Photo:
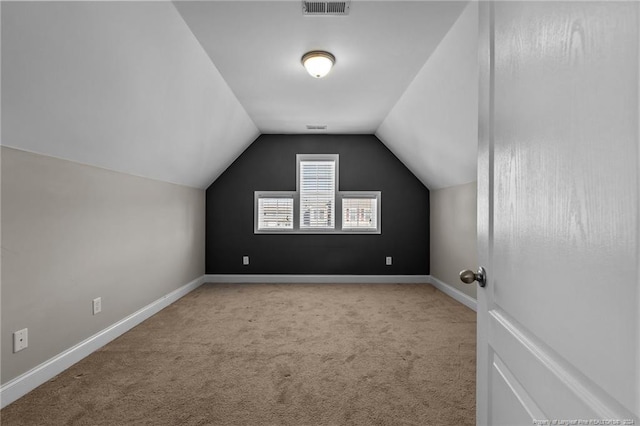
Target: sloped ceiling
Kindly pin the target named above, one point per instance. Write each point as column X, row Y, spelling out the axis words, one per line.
column 433, row 129
column 176, row 91
column 119, row 85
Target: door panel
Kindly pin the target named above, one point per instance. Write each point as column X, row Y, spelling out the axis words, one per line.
column 550, row 382
column 558, row 323
column 511, row 403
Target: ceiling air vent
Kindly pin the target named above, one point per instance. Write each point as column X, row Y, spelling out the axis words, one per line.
column 322, row 8
column 316, row 127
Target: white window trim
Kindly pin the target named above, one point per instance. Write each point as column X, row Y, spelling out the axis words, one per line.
column 256, row 215
column 337, row 203
column 336, row 180
column 367, row 195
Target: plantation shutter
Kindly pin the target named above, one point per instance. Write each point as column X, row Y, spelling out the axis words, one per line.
column 275, row 213
column 317, row 194
column 359, row 213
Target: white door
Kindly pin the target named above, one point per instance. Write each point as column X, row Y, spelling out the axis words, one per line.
column 558, row 197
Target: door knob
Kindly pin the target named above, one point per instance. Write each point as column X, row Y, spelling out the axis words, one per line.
column 468, row 276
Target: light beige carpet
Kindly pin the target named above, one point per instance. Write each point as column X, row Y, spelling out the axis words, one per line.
column 276, row 354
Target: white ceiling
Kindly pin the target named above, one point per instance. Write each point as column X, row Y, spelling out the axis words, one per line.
column 176, row 91
column 379, row 48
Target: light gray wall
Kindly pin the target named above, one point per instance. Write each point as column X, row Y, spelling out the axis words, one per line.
column 454, row 234
column 71, row 233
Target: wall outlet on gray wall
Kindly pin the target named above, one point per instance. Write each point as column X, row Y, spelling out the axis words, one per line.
column 97, row 305
column 20, row 340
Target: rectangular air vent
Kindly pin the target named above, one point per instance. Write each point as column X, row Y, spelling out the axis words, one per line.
column 320, row 8
column 316, row 127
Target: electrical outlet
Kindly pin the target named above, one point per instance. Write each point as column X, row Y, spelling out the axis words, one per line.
column 97, row 305
column 245, row 260
column 389, row 261
column 20, row 340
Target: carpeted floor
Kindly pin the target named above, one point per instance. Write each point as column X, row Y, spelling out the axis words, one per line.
column 276, row 354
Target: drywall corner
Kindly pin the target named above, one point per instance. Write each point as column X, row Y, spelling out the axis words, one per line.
column 453, row 221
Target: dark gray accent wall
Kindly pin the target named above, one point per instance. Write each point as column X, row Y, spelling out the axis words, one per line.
column 269, row 164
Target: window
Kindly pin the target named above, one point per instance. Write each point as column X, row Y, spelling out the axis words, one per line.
column 274, row 211
column 360, row 211
column 317, row 189
column 317, row 206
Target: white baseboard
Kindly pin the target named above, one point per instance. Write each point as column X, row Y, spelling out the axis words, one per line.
column 269, row 278
column 449, row 290
column 25, row 383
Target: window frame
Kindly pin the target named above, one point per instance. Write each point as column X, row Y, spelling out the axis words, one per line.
column 256, row 211
column 338, row 196
column 336, row 179
column 369, row 195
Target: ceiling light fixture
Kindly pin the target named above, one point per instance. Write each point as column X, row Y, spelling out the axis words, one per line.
column 318, row 62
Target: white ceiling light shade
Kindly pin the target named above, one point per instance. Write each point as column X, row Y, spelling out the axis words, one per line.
column 318, row 63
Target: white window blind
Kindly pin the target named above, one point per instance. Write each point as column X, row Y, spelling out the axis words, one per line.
column 359, row 213
column 275, row 213
column 317, row 186
column 316, row 206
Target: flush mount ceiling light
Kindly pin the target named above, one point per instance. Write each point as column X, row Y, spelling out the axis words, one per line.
column 318, row 62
